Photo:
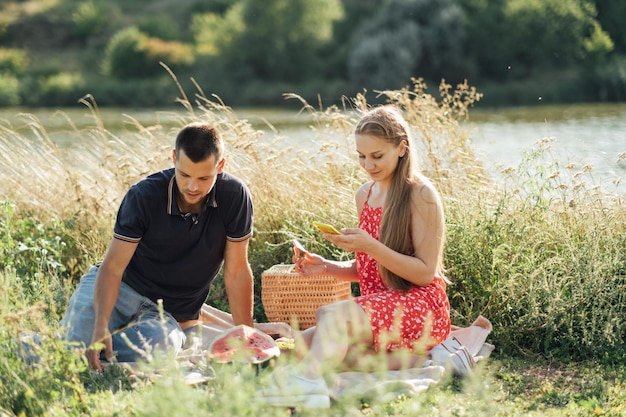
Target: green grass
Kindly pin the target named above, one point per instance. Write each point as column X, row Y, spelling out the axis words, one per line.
column 541, row 253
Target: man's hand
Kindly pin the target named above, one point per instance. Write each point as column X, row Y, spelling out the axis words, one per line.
column 106, row 290
column 101, row 340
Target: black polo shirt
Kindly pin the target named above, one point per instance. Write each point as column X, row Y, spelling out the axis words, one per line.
column 178, row 256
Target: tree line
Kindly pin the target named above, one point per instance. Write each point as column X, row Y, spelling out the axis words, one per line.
column 250, row 52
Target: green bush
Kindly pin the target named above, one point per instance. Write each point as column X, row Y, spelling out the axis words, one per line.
column 13, row 61
column 42, row 257
column 31, row 390
column 518, row 39
column 89, row 19
column 214, row 34
column 125, row 55
column 542, row 256
column 291, row 38
column 408, row 39
column 9, row 90
column 133, row 54
column 175, row 54
column 64, row 89
column 386, row 60
column 160, row 26
column 610, row 16
column 608, row 82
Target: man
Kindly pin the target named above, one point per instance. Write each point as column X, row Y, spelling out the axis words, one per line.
column 174, row 230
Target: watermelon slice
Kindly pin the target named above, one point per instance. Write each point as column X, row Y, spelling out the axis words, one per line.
column 244, row 344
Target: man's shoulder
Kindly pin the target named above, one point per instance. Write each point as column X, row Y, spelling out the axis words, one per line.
column 229, row 181
column 163, row 175
column 152, row 190
column 155, row 181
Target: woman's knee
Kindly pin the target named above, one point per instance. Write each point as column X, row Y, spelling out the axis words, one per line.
column 322, row 312
column 343, row 311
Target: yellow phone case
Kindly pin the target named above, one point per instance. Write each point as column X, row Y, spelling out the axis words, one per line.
column 326, row 228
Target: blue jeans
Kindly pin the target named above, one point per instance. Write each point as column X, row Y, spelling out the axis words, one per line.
column 134, row 315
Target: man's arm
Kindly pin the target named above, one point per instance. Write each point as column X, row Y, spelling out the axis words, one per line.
column 239, row 282
column 105, row 295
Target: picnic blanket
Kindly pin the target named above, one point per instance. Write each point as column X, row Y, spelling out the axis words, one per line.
column 457, row 355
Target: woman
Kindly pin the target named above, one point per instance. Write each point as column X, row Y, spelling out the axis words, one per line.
column 398, row 263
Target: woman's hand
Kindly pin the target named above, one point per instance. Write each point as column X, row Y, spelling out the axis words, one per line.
column 352, row 240
column 310, row 264
column 307, row 263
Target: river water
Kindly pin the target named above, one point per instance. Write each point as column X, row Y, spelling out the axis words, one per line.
column 593, row 134
column 580, row 134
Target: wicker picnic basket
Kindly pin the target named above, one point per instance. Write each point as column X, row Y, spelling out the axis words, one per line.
column 289, row 297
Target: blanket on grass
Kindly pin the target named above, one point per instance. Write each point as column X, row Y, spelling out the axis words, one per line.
column 457, row 355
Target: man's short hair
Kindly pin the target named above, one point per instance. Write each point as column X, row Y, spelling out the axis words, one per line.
column 200, row 141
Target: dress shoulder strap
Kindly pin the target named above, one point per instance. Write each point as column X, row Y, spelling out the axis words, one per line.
column 369, row 191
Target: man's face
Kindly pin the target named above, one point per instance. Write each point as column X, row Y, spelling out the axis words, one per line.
column 195, row 179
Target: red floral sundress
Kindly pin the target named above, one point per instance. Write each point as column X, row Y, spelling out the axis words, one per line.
column 418, row 319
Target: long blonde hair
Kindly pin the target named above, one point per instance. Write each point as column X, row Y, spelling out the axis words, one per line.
column 387, row 123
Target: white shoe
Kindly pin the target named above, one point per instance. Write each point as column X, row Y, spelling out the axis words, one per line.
column 452, row 354
column 286, row 388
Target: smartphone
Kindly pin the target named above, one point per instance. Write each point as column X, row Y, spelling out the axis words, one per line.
column 326, row 228
column 300, row 247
